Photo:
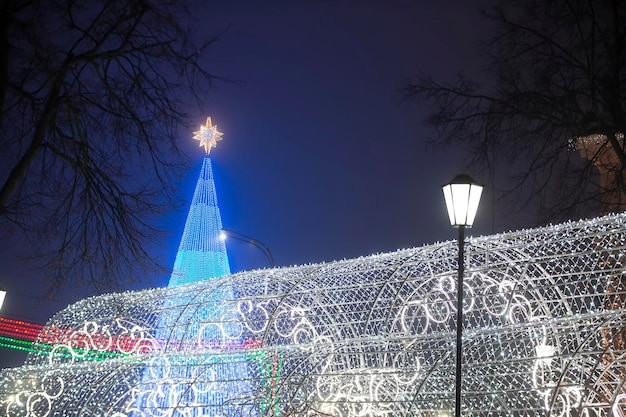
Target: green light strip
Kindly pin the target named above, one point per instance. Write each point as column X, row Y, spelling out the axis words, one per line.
column 15, row 341
column 15, row 344
column 270, row 377
column 27, row 346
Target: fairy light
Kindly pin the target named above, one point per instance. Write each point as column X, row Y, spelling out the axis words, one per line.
column 202, row 253
column 18, row 344
column 21, row 329
column 16, row 339
column 201, row 256
column 208, row 135
column 370, row 336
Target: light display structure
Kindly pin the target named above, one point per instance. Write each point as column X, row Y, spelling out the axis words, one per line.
column 544, row 335
column 201, row 254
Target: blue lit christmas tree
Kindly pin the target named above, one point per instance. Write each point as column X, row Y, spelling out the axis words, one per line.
column 202, row 254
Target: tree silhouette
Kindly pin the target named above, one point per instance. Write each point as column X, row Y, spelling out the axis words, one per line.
column 554, row 91
column 93, row 95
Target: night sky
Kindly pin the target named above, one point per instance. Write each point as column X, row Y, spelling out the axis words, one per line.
column 322, row 159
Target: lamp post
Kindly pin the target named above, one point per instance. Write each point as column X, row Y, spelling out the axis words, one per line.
column 3, row 294
column 245, row 238
column 462, row 196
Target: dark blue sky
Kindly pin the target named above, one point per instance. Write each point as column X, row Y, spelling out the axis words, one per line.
column 321, row 158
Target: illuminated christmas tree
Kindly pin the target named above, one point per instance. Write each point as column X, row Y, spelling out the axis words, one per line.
column 202, row 254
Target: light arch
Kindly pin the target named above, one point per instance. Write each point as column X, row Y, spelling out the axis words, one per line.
column 372, row 336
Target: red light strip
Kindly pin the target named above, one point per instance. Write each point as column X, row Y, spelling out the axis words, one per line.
column 20, row 329
column 32, row 332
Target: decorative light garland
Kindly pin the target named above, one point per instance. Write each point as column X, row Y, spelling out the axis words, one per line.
column 201, row 254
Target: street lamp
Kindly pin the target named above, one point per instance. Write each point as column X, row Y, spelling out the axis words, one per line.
column 3, row 294
column 462, row 196
column 226, row 233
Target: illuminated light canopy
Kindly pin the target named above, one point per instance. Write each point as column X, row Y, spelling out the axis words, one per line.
column 545, row 316
column 462, row 196
column 208, row 136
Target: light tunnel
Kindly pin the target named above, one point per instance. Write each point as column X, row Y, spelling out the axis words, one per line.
column 544, row 335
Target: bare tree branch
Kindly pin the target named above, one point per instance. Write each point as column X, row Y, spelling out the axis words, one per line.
column 557, row 75
column 93, row 95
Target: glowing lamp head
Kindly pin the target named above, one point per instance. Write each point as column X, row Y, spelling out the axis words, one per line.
column 462, row 196
column 3, row 294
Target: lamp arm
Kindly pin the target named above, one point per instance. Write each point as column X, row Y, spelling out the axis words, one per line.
column 245, row 238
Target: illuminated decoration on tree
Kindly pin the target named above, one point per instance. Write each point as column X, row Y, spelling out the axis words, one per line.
column 372, row 336
column 208, row 135
column 599, row 149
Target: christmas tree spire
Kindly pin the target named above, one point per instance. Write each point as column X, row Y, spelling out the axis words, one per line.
column 202, row 254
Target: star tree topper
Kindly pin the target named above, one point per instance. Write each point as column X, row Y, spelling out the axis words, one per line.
column 208, row 135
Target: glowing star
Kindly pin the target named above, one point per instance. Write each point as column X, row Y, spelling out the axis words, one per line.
column 208, row 135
